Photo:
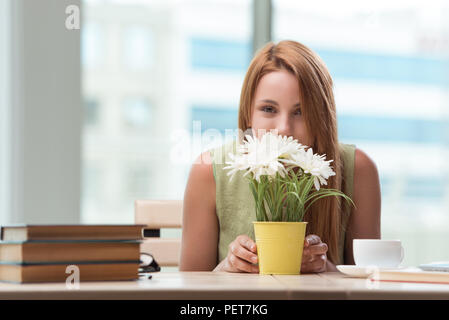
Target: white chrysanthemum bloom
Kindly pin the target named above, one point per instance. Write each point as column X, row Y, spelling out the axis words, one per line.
column 238, row 162
column 263, row 157
column 314, row 164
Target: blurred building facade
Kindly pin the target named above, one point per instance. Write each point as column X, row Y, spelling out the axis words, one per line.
column 147, row 74
column 151, row 69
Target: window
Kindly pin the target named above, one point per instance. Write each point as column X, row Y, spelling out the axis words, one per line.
column 137, row 48
column 93, row 186
column 137, row 113
column 153, row 67
column 220, row 118
column 91, row 112
column 223, row 55
column 388, row 63
column 92, row 45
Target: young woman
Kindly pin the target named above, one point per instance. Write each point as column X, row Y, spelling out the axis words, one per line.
column 287, row 88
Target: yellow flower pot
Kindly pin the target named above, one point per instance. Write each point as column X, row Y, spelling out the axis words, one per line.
column 279, row 246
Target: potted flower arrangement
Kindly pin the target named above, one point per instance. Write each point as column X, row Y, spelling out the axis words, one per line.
column 285, row 179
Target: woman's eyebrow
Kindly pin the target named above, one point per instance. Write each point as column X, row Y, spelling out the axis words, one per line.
column 275, row 103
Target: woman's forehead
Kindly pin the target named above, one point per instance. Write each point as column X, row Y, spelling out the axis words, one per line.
column 278, row 81
column 280, row 86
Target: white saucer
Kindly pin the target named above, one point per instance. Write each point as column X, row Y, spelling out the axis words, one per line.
column 362, row 272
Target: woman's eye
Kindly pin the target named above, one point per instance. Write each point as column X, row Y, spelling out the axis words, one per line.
column 298, row 112
column 268, row 109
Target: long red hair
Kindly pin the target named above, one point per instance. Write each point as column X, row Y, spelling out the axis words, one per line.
column 317, row 99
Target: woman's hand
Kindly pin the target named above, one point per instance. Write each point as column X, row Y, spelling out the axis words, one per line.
column 314, row 256
column 242, row 256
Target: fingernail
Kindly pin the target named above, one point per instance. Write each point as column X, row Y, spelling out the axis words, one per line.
column 254, row 259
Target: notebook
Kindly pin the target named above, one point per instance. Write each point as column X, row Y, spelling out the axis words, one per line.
column 442, row 266
column 412, row 275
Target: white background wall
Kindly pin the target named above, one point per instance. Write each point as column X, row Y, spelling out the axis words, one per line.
column 41, row 151
column 4, row 111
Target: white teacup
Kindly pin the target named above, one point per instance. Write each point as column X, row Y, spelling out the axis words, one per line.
column 379, row 253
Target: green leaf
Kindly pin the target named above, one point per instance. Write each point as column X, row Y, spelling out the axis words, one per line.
column 306, row 190
column 336, row 193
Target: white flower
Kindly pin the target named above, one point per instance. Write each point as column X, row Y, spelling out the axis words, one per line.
column 237, row 163
column 314, row 164
column 263, row 157
column 273, row 154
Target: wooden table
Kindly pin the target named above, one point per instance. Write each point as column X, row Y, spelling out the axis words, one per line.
column 229, row 286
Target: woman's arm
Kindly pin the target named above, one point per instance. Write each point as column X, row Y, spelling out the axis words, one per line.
column 364, row 222
column 199, row 221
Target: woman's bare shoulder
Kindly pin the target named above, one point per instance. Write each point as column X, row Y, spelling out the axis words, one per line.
column 202, row 168
column 367, row 195
column 365, row 221
column 363, row 164
column 201, row 182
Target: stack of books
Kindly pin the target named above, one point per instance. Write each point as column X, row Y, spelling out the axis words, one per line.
column 47, row 253
column 412, row 274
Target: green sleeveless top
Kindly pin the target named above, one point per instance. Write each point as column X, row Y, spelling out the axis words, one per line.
column 235, row 207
